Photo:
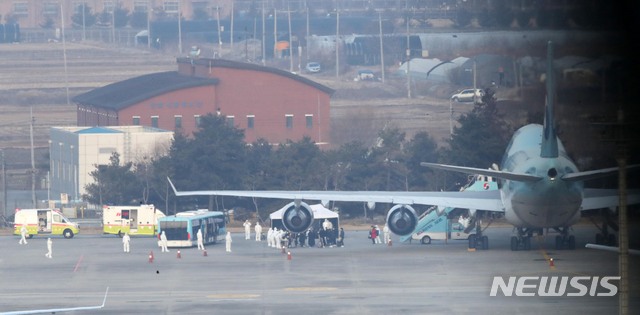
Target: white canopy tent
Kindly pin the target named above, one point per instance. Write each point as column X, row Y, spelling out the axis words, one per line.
column 320, row 213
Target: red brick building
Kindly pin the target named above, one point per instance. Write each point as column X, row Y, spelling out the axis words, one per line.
column 265, row 102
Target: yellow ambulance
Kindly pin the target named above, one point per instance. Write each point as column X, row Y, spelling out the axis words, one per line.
column 135, row 220
column 44, row 221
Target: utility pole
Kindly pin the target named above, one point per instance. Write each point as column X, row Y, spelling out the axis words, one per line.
column 4, row 185
column 264, row 62
column 381, row 46
column 232, row 26
column 33, row 163
column 219, row 35
column 290, row 42
column 337, row 44
column 148, row 24
column 408, row 53
column 179, row 27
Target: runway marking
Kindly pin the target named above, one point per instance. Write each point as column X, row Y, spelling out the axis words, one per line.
column 233, row 296
column 78, row 263
column 311, row 289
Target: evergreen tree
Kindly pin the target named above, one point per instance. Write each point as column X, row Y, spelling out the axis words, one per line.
column 114, row 184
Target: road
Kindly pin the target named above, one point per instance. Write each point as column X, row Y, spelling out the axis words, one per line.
column 360, row 278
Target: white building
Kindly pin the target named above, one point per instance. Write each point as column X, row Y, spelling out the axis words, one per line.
column 74, row 152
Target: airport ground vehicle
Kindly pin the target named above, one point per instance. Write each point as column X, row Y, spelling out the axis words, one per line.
column 181, row 228
column 468, row 95
column 44, row 221
column 135, row 220
column 313, row 67
column 441, row 229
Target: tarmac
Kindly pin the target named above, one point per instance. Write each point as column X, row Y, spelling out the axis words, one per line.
column 359, row 278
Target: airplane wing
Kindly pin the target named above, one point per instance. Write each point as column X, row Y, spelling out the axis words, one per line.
column 59, row 310
column 611, row 248
column 606, row 198
column 479, row 171
column 480, row 200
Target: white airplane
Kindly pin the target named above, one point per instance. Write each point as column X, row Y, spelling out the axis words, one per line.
column 539, row 188
column 60, row 310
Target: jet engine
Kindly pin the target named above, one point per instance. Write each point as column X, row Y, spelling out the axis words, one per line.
column 402, row 219
column 297, row 217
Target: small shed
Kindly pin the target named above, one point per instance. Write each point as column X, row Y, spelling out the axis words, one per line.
column 320, row 213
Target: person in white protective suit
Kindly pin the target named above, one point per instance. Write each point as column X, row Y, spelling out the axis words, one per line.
column 387, row 234
column 247, row 230
column 200, row 241
column 126, row 239
column 327, row 225
column 278, row 239
column 163, row 242
column 258, row 230
column 378, row 241
column 23, row 235
column 49, row 253
column 228, row 242
column 269, row 234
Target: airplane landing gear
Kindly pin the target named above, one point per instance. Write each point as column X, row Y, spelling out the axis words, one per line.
column 478, row 240
column 523, row 240
column 605, row 237
column 564, row 240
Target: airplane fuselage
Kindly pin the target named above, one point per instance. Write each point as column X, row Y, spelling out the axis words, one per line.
column 549, row 202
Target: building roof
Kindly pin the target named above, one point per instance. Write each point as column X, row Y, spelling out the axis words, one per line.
column 97, row 130
column 223, row 63
column 131, row 91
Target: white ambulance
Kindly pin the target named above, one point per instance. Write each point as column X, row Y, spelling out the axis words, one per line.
column 135, row 220
column 44, row 221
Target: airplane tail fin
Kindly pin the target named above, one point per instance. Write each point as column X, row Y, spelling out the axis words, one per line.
column 549, row 139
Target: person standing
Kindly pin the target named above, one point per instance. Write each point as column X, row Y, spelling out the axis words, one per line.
column 163, row 242
column 200, row 241
column 49, row 253
column 23, row 235
column 126, row 239
column 247, row 230
column 374, row 234
column 341, row 238
column 228, row 242
column 387, row 234
column 258, row 230
column 377, row 240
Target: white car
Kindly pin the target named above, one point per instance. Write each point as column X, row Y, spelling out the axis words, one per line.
column 467, row 95
column 313, row 67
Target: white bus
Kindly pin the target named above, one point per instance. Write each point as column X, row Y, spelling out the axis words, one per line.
column 181, row 228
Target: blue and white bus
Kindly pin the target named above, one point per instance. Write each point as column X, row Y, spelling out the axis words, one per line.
column 181, row 228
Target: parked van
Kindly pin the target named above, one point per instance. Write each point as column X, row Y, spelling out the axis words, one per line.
column 135, row 220
column 442, row 229
column 44, row 221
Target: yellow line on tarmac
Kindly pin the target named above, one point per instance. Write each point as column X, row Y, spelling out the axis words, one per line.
column 545, row 255
column 311, row 289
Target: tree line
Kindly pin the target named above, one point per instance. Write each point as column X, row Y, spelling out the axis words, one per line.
column 216, row 157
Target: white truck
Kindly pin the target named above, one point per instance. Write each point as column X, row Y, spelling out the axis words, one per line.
column 44, row 221
column 441, row 229
column 134, row 220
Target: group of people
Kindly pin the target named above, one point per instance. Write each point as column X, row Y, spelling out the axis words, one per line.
column 324, row 236
column 374, row 234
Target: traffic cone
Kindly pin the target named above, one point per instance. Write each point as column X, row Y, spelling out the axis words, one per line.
column 204, row 253
column 288, row 255
column 178, row 255
column 151, row 257
column 551, row 262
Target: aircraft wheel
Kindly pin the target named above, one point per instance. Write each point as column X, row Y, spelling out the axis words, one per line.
column 426, row 240
column 514, row 243
column 526, row 242
column 485, row 242
column 611, row 240
column 571, row 242
column 472, row 241
column 558, row 242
